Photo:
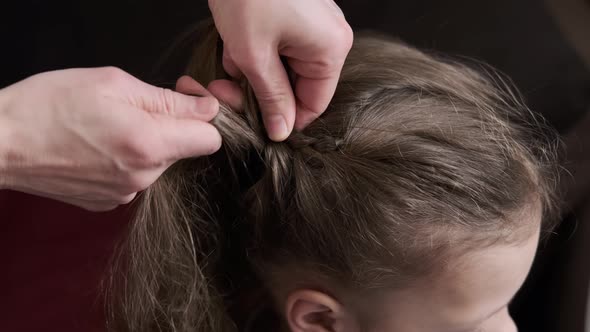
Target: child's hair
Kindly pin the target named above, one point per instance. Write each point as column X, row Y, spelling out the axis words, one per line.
column 417, row 157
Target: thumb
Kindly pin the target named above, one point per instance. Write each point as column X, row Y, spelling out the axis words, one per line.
column 271, row 85
column 185, row 138
column 165, row 101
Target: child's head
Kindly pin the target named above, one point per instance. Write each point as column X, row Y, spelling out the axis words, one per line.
column 414, row 203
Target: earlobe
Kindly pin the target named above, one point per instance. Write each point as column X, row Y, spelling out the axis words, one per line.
column 313, row 311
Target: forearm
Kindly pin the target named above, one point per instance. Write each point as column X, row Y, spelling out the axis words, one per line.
column 5, row 138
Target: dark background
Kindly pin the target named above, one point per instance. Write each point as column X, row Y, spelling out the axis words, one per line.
column 519, row 37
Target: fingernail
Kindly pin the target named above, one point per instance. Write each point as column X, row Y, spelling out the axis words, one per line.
column 277, row 127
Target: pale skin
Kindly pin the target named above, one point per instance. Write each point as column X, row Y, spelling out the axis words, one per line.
column 96, row 137
column 471, row 295
column 91, row 137
column 312, row 35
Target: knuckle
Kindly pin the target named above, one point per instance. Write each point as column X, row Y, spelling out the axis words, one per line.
column 139, row 153
column 113, row 75
column 167, row 100
column 226, row 57
column 132, row 185
column 341, row 40
column 126, row 199
column 252, row 58
column 95, row 207
column 109, row 207
column 347, row 37
column 142, row 159
column 274, row 97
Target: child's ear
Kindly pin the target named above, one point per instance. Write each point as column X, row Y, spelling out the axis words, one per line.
column 313, row 311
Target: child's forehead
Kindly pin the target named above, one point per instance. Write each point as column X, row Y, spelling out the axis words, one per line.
column 480, row 286
column 457, row 299
column 463, row 244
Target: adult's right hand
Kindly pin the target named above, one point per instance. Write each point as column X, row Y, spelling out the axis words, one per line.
column 95, row 137
column 313, row 37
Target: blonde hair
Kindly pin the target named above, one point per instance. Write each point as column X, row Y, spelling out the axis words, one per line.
column 411, row 146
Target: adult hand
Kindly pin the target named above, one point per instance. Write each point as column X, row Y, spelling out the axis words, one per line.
column 95, row 137
column 312, row 35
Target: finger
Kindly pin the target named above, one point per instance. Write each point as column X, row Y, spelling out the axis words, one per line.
column 103, row 204
column 230, row 66
column 318, row 72
column 126, row 199
column 187, row 138
column 271, row 85
column 335, row 8
column 313, row 97
column 187, row 85
column 165, row 101
column 228, row 92
column 93, row 206
column 97, row 207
